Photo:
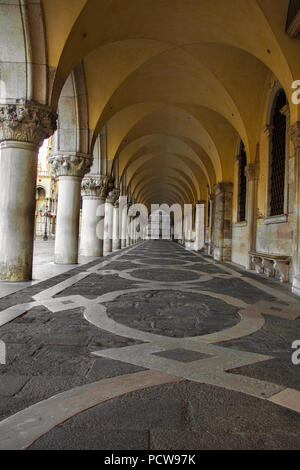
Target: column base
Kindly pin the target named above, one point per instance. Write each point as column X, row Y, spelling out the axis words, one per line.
column 296, row 285
column 61, row 260
column 117, row 245
column 15, row 274
column 91, row 254
column 107, row 248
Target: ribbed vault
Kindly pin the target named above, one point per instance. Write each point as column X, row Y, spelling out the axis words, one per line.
column 175, row 83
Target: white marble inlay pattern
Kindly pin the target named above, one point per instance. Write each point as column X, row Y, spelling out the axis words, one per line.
column 211, row 370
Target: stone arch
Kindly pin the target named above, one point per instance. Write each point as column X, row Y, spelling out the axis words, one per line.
column 72, row 133
column 23, row 62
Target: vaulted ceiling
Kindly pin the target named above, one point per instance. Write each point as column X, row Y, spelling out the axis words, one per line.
column 175, row 82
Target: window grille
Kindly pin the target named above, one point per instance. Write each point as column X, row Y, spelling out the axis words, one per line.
column 278, row 150
column 242, row 184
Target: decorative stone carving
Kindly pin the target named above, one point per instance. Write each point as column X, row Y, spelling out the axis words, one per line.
column 282, row 269
column 113, row 197
column 71, row 164
column 268, row 266
column 271, row 265
column 96, row 186
column 257, row 264
column 27, row 121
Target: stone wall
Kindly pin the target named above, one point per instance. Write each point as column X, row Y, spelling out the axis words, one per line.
column 274, row 238
column 239, row 244
column 223, row 222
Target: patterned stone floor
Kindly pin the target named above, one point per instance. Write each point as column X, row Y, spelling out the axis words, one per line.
column 153, row 347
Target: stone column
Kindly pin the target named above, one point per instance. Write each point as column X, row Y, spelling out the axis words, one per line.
column 128, row 227
column 116, row 227
column 136, row 234
column 108, row 221
column 124, row 227
column 23, row 128
column 211, row 224
column 295, row 137
column 188, row 227
column 133, row 225
column 200, row 226
column 252, row 175
column 131, row 229
column 94, row 191
column 70, row 168
column 223, row 222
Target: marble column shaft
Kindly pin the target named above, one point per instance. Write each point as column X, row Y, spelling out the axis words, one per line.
column 116, row 228
column 70, row 168
column 109, row 219
column 94, row 192
column 124, row 227
column 23, row 128
column 252, row 175
column 200, row 226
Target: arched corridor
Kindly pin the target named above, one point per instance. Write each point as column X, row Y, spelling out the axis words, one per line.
column 150, row 224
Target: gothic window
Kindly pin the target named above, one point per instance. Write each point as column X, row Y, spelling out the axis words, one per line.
column 278, row 156
column 242, row 184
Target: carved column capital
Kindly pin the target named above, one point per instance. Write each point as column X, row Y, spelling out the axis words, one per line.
column 201, row 203
column 252, row 171
column 96, row 186
column 27, row 121
column 223, row 188
column 295, row 135
column 71, row 164
column 113, row 196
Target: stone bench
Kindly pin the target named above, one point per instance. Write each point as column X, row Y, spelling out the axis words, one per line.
column 271, row 265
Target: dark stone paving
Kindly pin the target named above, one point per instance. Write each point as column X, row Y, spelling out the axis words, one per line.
column 173, row 313
column 96, row 285
column 238, row 289
column 274, row 339
column 185, row 416
column 51, row 353
column 162, row 262
column 165, row 275
column 25, row 295
column 207, row 268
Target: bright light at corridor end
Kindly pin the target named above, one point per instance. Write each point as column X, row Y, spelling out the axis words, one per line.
column 162, row 221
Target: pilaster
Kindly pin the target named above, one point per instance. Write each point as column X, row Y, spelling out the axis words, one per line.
column 223, row 221
column 295, row 138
